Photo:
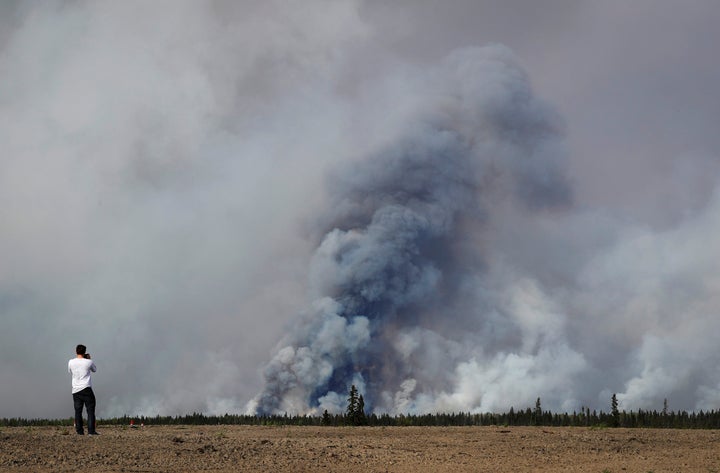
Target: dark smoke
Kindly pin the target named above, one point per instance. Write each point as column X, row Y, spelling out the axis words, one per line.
column 395, row 262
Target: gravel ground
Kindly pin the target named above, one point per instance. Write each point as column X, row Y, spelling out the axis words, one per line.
column 359, row 449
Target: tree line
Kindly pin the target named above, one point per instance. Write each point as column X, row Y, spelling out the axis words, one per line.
column 355, row 416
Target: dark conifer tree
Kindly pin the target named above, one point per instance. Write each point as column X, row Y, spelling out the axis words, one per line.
column 360, row 417
column 614, row 410
column 352, row 406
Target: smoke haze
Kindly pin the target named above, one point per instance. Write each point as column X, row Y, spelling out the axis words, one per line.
column 247, row 208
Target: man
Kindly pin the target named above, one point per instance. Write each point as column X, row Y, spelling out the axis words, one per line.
column 80, row 368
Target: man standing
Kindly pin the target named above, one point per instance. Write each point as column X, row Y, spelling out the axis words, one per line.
column 80, row 368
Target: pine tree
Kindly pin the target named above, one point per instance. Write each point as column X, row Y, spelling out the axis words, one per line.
column 614, row 410
column 360, row 417
column 538, row 412
column 355, row 414
column 352, row 407
column 326, row 418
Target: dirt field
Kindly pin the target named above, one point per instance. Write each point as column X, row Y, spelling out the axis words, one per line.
column 359, row 449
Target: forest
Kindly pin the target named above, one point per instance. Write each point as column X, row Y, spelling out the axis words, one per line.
column 355, row 416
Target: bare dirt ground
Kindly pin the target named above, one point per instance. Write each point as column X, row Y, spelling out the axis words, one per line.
column 359, row 449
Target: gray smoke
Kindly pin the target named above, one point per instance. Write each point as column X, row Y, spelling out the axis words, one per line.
column 185, row 187
column 395, row 270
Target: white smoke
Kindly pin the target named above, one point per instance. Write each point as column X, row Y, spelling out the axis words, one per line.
column 183, row 188
column 654, row 294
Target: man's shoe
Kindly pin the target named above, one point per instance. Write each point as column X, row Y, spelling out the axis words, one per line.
column 93, row 433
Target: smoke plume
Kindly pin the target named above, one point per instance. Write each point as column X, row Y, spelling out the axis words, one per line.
column 400, row 259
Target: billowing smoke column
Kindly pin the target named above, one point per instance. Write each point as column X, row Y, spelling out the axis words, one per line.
column 399, row 256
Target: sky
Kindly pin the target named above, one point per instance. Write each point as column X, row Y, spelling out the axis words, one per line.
column 246, row 207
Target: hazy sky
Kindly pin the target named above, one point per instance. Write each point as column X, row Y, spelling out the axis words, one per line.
column 170, row 173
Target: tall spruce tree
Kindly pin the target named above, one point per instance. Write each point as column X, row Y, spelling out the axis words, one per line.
column 355, row 414
column 352, row 406
column 361, row 419
column 614, row 410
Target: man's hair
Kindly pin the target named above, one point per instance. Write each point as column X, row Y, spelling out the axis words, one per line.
column 80, row 349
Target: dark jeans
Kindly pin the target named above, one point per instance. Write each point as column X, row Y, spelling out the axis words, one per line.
column 85, row 397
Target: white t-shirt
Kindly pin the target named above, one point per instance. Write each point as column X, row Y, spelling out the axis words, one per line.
column 80, row 369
